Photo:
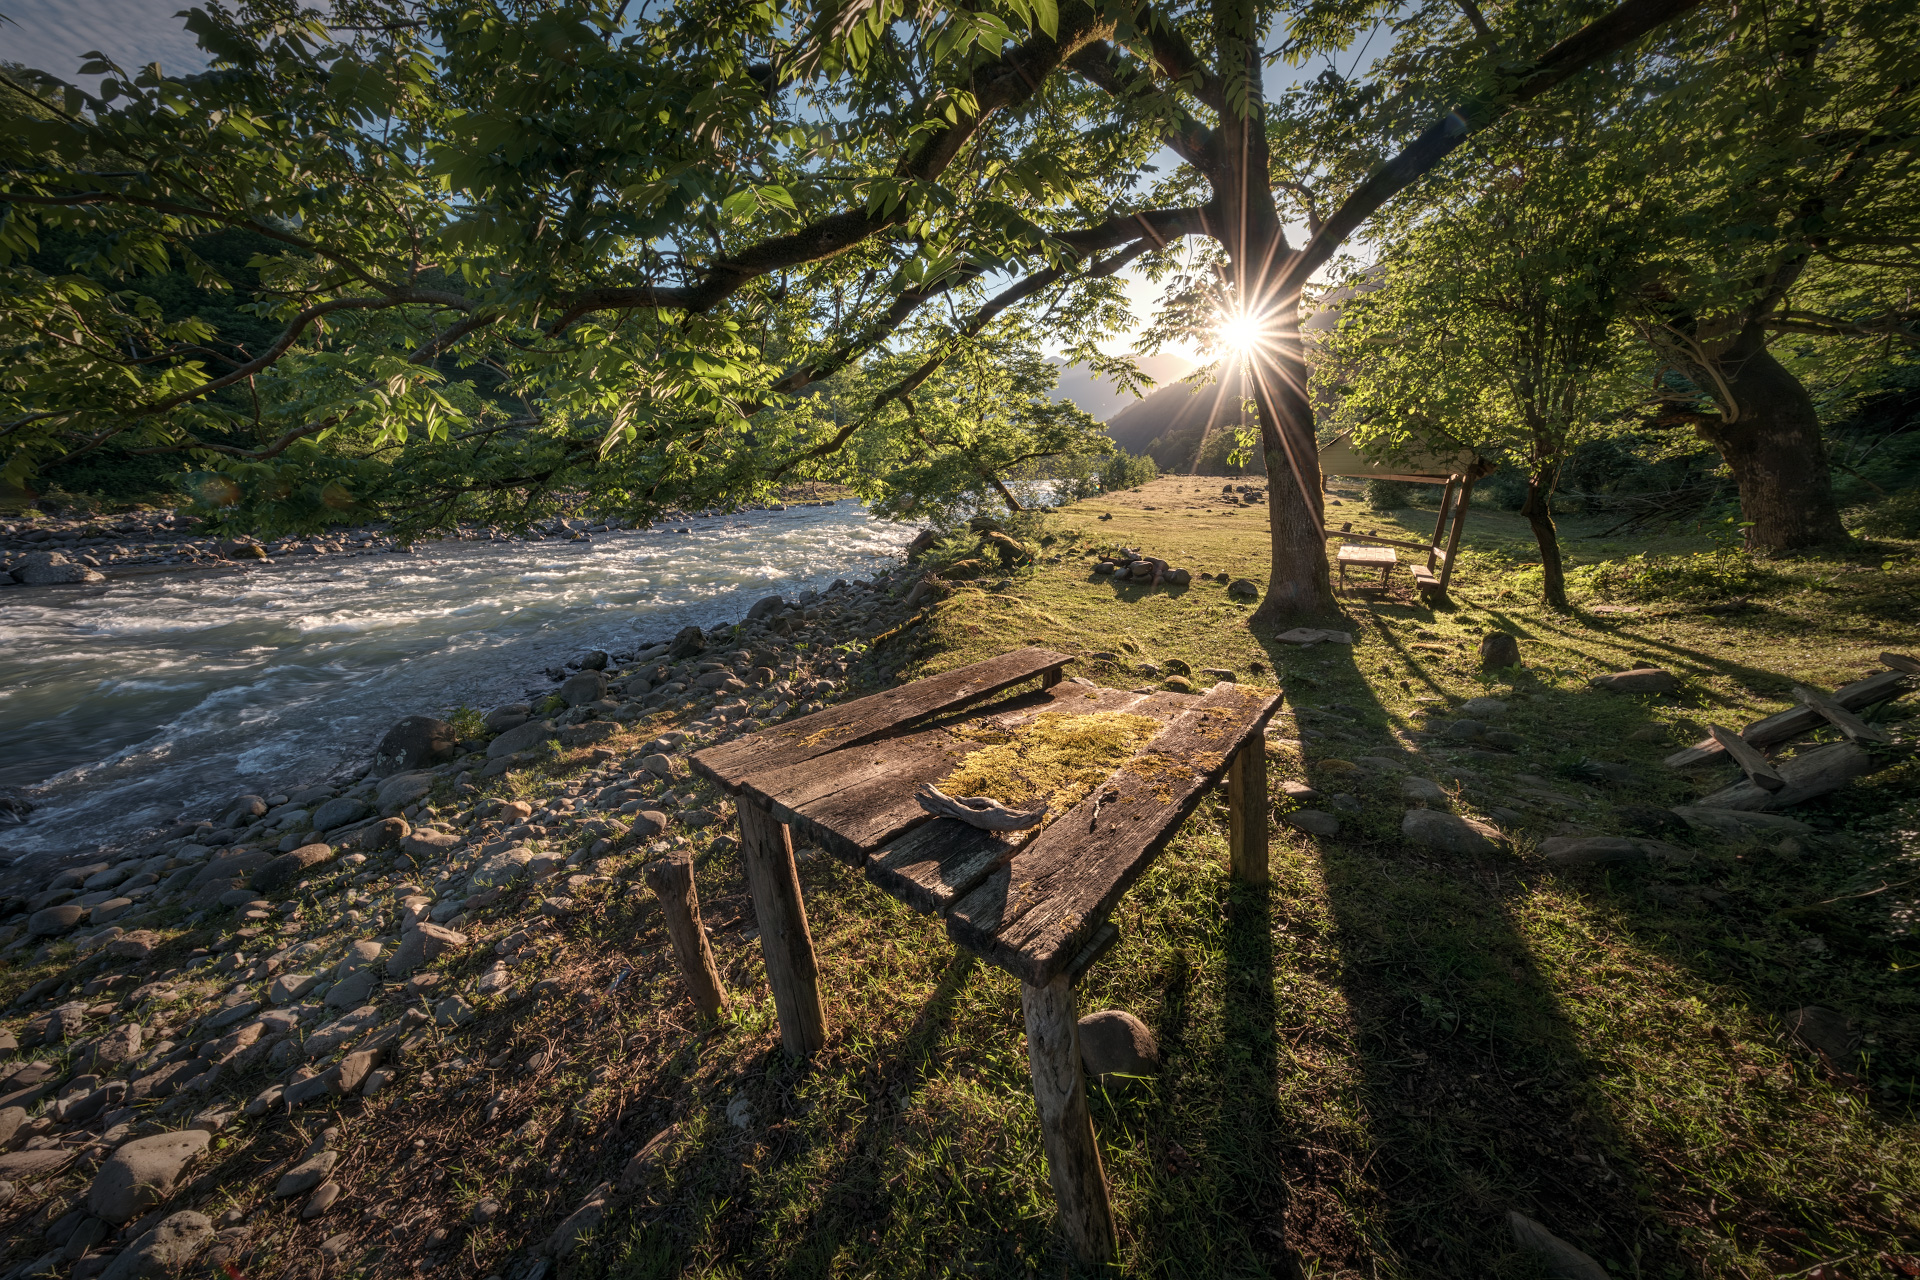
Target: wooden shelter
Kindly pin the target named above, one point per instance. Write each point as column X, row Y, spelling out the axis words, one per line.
column 1455, row 472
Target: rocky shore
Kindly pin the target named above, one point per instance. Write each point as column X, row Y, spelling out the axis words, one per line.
column 272, row 976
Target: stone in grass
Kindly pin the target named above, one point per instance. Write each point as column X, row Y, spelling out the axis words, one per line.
column 353, row 990
column 289, row 987
column 494, row 980
column 1483, row 708
column 50, row 922
column 1423, row 791
column 1113, row 1041
column 1315, row 822
column 336, row 1245
column 290, row 867
column 1499, row 649
column 1560, row 1259
column 1447, row 832
column 339, row 812
column 1586, row 851
column 401, row 790
column 141, row 1173
column 413, row 743
column 1640, row 680
column 567, row 1235
column 138, row 945
column 165, row 1251
column 454, row 1011
column 648, row 1159
column 306, row 1175
column 320, row 1201
column 422, row 945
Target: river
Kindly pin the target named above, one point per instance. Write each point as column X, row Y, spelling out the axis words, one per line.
column 144, row 699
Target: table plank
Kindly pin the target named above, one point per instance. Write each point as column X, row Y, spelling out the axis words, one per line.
column 859, row 721
column 1032, row 916
column 855, row 800
column 933, row 864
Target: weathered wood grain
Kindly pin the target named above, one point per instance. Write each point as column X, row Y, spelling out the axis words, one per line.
column 1856, row 729
column 1752, row 763
column 671, row 879
column 1247, row 813
column 1791, row 723
column 1031, row 916
column 936, row 862
column 1066, row 1125
column 785, row 942
column 854, row 800
column 851, row 723
column 1902, row 662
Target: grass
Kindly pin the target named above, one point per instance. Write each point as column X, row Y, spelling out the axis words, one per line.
column 1366, row 1065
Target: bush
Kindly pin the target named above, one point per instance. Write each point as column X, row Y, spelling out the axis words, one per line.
column 1893, row 517
column 1388, row 495
column 1127, row 471
column 1700, row 578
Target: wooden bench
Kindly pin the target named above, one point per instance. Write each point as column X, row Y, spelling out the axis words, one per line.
column 1351, row 555
column 1034, row 902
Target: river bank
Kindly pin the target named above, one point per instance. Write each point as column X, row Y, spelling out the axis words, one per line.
column 450, row 1036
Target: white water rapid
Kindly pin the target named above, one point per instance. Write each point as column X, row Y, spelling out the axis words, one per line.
column 129, row 704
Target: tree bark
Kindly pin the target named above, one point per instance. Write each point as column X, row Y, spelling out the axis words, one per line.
column 1540, row 518
column 1299, row 587
column 1773, row 446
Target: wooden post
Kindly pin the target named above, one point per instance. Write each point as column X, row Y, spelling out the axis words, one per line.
column 1060, row 1090
column 1050, row 678
column 671, row 879
column 1453, row 539
column 1440, row 524
column 1247, row 812
column 784, row 941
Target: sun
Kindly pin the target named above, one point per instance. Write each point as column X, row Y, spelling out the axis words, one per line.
column 1241, row 333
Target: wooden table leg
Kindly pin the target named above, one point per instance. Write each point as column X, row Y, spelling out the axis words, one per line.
column 1247, row 812
column 784, row 939
column 1060, row 1090
column 671, row 879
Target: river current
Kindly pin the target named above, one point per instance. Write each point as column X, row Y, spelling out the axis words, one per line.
column 145, row 699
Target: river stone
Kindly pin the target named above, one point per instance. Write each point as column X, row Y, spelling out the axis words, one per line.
column 165, row 1251
column 1740, row 824
column 306, row 1175
column 773, row 604
column 50, row 922
column 120, row 1045
column 588, row 686
column 289, row 987
column 1643, row 680
column 1585, row 851
column 339, row 812
column 383, row 833
column 526, row 737
column 1499, row 649
column 1447, row 832
column 1483, row 708
column 140, row 1174
column 289, row 867
column 413, row 743
column 53, row 568
column 1559, row 1259
column 137, row 945
column 422, row 945
column 244, row 810
column 499, row 870
column 1113, row 1040
column 1315, row 822
column 351, row 991
column 11, row 1118
column 362, row 955
column 511, row 716
column 401, row 790
column 687, row 642
column 17, row 1166
column 425, row 842
column 322, row 1200
column 110, row 877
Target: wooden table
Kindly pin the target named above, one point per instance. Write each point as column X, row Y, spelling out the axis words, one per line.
column 1381, row 558
column 1034, row 902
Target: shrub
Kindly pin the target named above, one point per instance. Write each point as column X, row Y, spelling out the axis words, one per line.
column 1388, row 495
column 1897, row 516
column 1699, row 578
column 1127, row 471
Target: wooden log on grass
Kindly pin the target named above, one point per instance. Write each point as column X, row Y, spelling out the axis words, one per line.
column 1066, row 1126
column 1806, row 776
column 1752, row 763
column 671, row 879
column 1855, row 729
column 1247, row 813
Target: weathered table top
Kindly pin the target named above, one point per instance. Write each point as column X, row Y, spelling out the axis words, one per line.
column 1353, row 554
column 1027, row 901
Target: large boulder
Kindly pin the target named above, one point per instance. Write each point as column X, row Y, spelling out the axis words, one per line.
column 523, row 738
column 165, row 1251
column 141, row 1173
column 511, row 716
column 54, row 568
column 413, row 743
column 773, row 604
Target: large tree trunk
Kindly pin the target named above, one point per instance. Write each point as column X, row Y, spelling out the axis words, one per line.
column 1540, row 517
column 1773, row 446
column 1299, row 588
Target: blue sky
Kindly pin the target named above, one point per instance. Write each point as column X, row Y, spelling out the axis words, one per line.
column 54, row 34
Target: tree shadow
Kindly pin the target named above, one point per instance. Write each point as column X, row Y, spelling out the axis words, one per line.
column 1477, row 1094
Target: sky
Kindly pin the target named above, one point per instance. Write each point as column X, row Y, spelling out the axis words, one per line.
column 54, row 35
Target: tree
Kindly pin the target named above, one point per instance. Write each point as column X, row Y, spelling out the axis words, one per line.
column 1492, row 322
column 1785, row 161
column 658, row 232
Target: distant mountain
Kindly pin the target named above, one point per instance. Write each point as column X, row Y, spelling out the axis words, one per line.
column 1184, row 428
column 1102, row 398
